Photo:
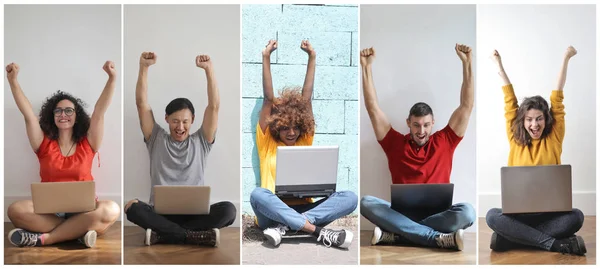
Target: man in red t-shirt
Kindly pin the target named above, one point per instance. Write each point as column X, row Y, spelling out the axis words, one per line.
column 419, row 157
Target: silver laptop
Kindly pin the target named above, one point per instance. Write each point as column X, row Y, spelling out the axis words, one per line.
column 182, row 200
column 306, row 171
column 532, row 189
column 429, row 198
column 63, row 197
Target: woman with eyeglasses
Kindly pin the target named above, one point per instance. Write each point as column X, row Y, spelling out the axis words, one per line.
column 65, row 139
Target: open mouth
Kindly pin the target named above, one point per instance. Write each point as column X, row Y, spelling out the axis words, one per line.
column 63, row 121
column 535, row 132
column 179, row 133
column 421, row 137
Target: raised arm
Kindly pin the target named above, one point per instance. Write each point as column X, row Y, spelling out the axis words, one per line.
column 141, row 94
column 510, row 100
column 562, row 76
column 309, row 79
column 32, row 124
column 380, row 122
column 96, row 131
column 268, row 95
column 460, row 118
column 211, row 113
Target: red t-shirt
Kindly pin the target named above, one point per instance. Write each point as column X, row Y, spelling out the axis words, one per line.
column 430, row 163
column 54, row 167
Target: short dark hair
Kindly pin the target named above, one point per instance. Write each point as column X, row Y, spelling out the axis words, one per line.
column 420, row 109
column 179, row 104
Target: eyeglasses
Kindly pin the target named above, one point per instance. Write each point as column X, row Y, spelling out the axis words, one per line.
column 68, row 111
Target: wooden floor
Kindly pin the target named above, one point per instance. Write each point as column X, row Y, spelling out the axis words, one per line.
column 533, row 256
column 106, row 251
column 382, row 254
column 136, row 252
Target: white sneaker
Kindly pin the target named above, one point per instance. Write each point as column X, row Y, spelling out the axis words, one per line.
column 453, row 240
column 336, row 238
column 273, row 235
column 89, row 239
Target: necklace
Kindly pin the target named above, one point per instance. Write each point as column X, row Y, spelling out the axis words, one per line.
column 67, row 155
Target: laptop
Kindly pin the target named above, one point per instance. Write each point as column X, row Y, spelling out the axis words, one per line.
column 306, row 171
column 427, row 199
column 534, row 189
column 63, row 197
column 182, row 200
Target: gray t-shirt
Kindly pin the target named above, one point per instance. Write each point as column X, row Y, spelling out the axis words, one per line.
column 176, row 163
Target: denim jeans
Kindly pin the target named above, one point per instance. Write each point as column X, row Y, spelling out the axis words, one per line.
column 270, row 210
column 414, row 226
column 537, row 229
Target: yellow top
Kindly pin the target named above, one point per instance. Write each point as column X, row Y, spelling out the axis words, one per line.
column 544, row 151
column 267, row 154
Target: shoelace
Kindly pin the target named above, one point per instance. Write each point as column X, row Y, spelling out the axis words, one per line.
column 329, row 237
column 387, row 237
column 28, row 239
column 446, row 240
column 281, row 229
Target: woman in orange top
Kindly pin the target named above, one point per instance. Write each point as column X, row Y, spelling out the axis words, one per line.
column 65, row 139
column 288, row 121
column 535, row 133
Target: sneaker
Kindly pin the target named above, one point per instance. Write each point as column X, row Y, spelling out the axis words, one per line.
column 89, row 239
column 499, row 243
column 573, row 245
column 273, row 235
column 452, row 240
column 336, row 238
column 205, row 238
column 379, row 236
column 21, row 238
column 151, row 237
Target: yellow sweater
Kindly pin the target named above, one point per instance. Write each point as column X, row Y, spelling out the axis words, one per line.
column 544, row 151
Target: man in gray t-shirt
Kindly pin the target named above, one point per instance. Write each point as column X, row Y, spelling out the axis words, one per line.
column 178, row 158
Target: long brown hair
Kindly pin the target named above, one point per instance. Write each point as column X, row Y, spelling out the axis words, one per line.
column 535, row 102
column 290, row 108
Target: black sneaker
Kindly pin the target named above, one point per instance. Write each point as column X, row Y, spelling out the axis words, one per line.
column 453, row 240
column 89, row 239
column 205, row 238
column 151, row 237
column 21, row 238
column 499, row 243
column 573, row 245
column 336, row 238
column 382, row 237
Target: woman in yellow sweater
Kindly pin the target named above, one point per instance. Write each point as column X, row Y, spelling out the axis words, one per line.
column 288, row 121
column 535, row 133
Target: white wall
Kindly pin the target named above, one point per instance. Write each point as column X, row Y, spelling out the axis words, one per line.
column 416, row 62
column 177, row 34
column 531, row 40
column 61, row 47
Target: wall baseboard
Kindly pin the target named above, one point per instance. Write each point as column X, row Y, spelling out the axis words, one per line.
column 236, row 223
column 8, row 200
column 584, row 200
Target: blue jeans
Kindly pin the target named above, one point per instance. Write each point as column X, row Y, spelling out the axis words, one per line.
column 270, row 210
column 416, row 228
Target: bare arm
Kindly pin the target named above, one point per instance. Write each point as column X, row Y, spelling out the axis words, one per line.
column 562, row 76
column 460, row 118
column 141, row 94
column 379, row 120
column 211, row 113
column 500, row 68
column 309, row 79
column 32, row 124
column 268, row 95
column 96, row 131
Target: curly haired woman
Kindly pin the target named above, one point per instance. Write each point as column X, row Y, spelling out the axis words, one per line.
column 288, row 121
column 65, row 140
column 535, row 133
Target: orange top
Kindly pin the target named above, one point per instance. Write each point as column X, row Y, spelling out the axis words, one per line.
column 54, row 167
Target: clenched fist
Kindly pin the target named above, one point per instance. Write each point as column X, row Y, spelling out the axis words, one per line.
column 367, row 56
column 463, row 52
column 148, row 58
column 12, row 70
column 570, row 52
column 203, row 61
column 109, row 68
column 269, row 48
column 307, row 47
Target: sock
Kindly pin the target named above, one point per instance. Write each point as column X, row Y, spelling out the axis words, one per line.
column 41, row 240
column 317, row 231
column 556, row 244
